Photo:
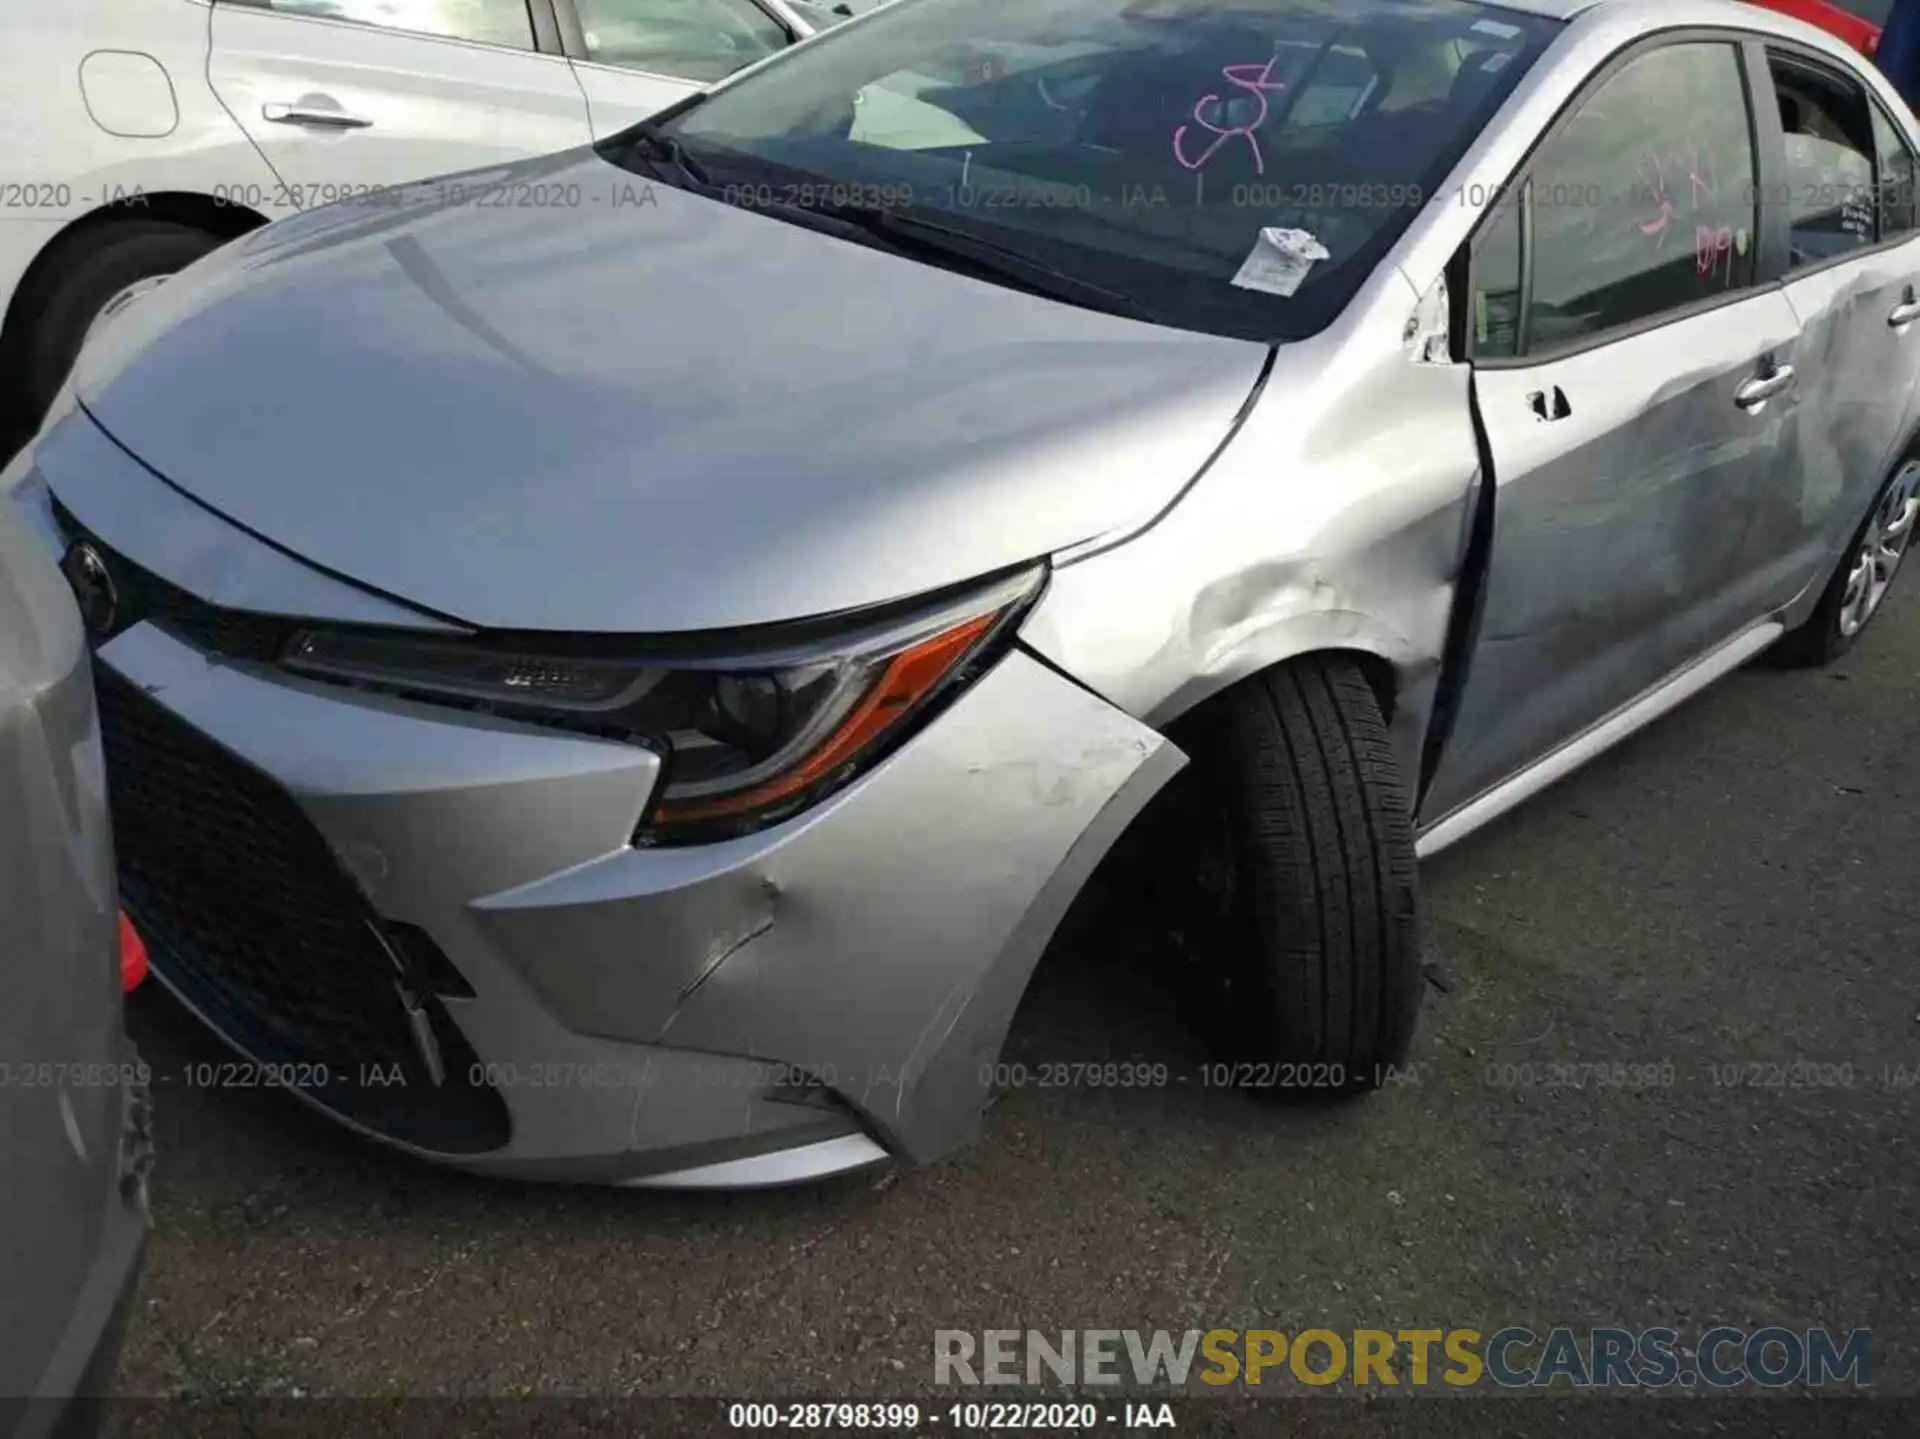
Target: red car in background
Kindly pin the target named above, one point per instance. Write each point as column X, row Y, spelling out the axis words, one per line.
column 1860, row 33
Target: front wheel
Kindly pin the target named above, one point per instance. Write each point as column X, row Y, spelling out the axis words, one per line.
column 1859, row 585
column 96, row 269
column 1312, row 879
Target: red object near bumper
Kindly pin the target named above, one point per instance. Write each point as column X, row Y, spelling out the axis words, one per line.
column 133, row 956
column 1863, row 35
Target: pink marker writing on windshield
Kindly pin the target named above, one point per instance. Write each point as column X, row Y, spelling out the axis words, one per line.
column 1256, row 79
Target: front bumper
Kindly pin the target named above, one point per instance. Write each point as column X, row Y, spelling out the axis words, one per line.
column 771, row 1009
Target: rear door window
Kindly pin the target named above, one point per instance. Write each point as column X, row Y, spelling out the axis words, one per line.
column 487, row 22
column 704, row 40
column 1828, row 190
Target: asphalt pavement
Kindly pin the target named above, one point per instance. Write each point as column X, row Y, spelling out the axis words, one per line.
column 1723, row 904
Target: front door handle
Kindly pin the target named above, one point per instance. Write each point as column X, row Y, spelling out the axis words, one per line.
column 1757, row 391
column 1904, row 313
column 311, row 115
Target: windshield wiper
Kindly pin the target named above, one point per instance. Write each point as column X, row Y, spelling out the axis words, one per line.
column 930, row 239
column 655, row 146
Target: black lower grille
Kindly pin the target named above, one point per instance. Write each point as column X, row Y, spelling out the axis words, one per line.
column 248, row 914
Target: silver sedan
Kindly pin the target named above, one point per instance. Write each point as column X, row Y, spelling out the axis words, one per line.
column 614, row 668
column 75, row 1131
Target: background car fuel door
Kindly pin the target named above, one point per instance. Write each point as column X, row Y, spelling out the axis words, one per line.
column 340, row 102
column 1634, row 389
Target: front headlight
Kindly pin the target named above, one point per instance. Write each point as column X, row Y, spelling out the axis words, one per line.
column 747, row 739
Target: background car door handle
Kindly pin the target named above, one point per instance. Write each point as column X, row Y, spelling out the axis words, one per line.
column 1756, row 392
column 311, row 115
column 1904, row 313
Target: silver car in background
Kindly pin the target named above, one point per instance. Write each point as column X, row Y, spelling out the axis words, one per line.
column 75, row 1143
column 628, row 695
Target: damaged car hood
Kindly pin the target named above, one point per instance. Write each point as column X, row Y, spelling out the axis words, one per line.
column 600, row 403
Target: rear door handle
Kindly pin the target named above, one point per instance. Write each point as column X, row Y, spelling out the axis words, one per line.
column 1904, row 313
column 312, row 115
column 1756, row 392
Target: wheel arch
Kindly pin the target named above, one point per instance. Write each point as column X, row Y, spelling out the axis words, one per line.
column 191, row 208
column 1403, row 680
column 1385, row 675
column 1147, row 873
column 1905, row 448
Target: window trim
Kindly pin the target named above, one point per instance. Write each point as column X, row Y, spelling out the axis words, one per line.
column 1821, row 64
column 1523, row 314
column 1464, row 266
column 1775, row 236
column 1913, row 155
column 573, row 44
column 1742, row 43
column 546, row 27
column 532, row 8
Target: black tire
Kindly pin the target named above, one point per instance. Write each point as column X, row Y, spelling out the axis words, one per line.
column 62, row 301
column 1319, row 925
column 1823, row 638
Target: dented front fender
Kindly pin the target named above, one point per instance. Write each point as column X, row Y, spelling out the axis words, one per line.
column 1334, row 519
column 882, row 941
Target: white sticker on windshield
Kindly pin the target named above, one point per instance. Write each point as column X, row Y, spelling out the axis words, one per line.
column 1279, row 261
column 1496, row 29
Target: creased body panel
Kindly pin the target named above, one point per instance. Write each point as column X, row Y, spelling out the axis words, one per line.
column 1857, row 370
column 882, row 941
column 1619, row 531
column 1334, row 519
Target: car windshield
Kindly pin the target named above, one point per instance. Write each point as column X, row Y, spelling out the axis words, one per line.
column 1218, row 165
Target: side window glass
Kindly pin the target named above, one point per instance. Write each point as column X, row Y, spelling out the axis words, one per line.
column 1644, row 202
column 1895, row 176
column 1828, row 187
column 1493, row 313
column 703, row 40
column 490, row 22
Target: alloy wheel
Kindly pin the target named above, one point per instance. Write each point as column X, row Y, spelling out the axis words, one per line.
column 1881, row 549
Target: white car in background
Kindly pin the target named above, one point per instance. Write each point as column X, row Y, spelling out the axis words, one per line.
column 142, row 133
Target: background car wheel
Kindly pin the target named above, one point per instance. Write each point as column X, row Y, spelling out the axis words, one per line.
column 1858, row 587
column 95, row 268
column 1307, row 863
